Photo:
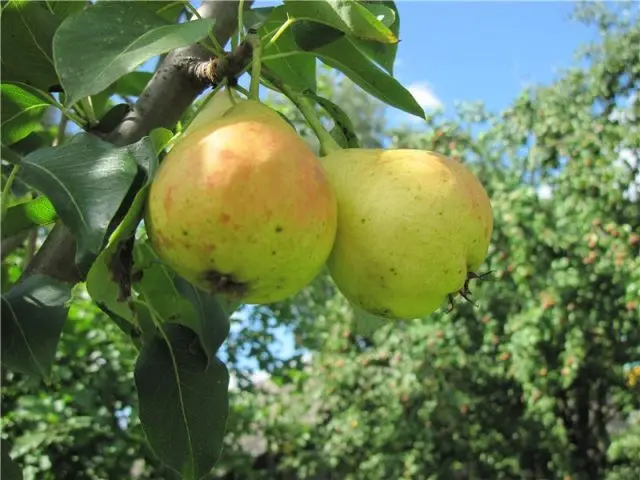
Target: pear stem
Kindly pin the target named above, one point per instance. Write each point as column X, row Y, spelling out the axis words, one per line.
column 327, row 143
column 256, row 67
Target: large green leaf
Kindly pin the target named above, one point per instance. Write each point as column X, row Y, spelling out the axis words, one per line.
column 27, row 32
column 297, row 71
column 33, row 315
column 109, row 279
column 86, row 180
column 173, row 300
column 104, row 42
column 343, row 55
column 348, row 16
column 26, row 215
column 9, row 469
column 21, row 111
column 183, row 401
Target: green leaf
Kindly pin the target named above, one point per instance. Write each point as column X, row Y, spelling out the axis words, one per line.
column 22, row 107
column 132, row 84
column 183, row 401
column 33, row 315
column 256, row 17
column 297, row 71
column 9, row 469
column 343, row 130
column 348, row 16
column 384, row 54
column 26, row 215
column 28, row 28
column 173, row 300
column 160, row 138
column 104, row 42
column 343, row 55
column 365, row 323
column 112, row 118
column 86, row 180
column 213, row 320
column 109, row 279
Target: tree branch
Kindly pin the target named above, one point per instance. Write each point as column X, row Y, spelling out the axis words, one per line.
column 169, row 92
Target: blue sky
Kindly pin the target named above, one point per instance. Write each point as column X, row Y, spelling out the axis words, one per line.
column 453, row 51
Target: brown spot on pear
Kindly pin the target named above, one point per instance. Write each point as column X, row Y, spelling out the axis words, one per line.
column 243, row 184
column 427, row 217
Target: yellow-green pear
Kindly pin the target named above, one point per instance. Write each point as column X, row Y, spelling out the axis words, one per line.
column 241, row 205
column 411, row 225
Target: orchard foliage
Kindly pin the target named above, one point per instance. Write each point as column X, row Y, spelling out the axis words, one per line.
column 532, row 382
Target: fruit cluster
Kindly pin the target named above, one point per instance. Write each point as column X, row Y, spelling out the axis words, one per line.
column 243, row 207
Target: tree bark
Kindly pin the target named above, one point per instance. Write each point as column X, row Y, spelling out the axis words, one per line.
column 169, row 92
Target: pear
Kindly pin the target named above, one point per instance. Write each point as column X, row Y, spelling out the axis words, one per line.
column 241, row 206
column 412, row 225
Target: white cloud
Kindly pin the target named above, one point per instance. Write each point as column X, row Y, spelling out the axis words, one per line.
column 424, row 95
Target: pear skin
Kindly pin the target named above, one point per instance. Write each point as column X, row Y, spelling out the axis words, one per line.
column 241, row 206
column 411, row 225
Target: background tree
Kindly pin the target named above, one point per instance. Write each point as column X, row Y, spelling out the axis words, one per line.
column 530, row 383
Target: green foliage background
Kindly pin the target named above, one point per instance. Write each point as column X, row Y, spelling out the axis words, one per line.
column 530, row 383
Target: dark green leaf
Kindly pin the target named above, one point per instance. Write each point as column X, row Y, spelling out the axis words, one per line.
column 21, row 111
column 28, row 28
column 112, row 118
column 310, row 36
column 104, row 42
column 348, row 16
column 384, row 54
column 64, row 8
column 343, row 130
column 183, row 401
column 297, row 71
column 173, row 300
column 86, row 179
column 212, row 317
column 26, row 215
column 33, row 315
column 9, row 469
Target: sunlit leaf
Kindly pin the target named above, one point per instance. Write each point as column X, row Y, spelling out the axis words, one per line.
column 21, row 111
column 26, row 215
column 96, row 47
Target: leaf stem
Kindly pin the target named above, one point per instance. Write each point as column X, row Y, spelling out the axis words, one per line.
column 217, row 48
column 87, row 107
column 281, row 30
column 240, row 18
column 242, row 90
column 327, row 143
column 256, row 68
column 6, row 191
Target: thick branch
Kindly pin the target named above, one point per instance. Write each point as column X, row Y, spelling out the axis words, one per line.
column 169, row 92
